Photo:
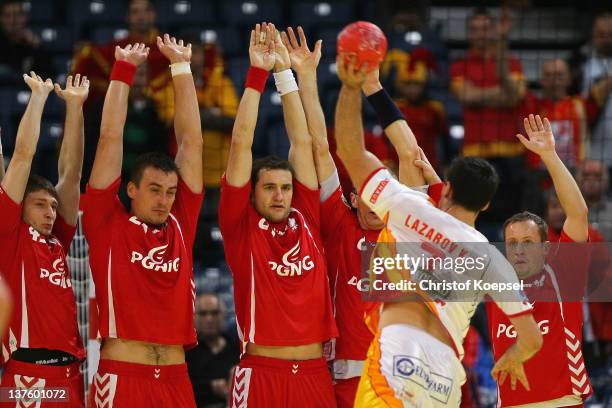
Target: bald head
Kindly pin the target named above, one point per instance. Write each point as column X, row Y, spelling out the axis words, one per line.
column 555, row 79
column 592, row 178
column 602, row 34
column 210, row 315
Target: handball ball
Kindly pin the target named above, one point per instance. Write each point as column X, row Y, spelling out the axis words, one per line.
column 364, row 40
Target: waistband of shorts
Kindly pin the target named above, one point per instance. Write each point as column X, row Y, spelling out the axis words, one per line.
column 158, row 372
column 313, row 366
column 43, row 371
column 345, row 369
column 406, row 331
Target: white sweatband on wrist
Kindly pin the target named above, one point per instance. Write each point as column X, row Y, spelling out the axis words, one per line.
column 180, row 68
column 285, row 82
column 327, row 187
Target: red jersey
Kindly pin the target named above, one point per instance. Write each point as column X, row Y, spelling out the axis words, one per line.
column 489, row 131
column 343, row 239
column 281, row 289
column 36, row 271
column 558, row 369
column 143, row 274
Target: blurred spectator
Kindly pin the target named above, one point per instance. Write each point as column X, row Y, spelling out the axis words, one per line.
column 490, row 85
column 210, row 362
column 570, row 116
column 21, row 50
column 143, row 132
column 96, row 61
column 597, row 82
column 425, row 116
column 593, row 180
column 408, row 28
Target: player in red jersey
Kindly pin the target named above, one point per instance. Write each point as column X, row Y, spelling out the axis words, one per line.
column 269, row 216
column 6, row 306
column 557, row 374
column 43, row 348
column 141, row 260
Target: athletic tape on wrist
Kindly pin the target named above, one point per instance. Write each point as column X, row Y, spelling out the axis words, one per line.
column 285, row 82
column 123, row 71
column 180, row 68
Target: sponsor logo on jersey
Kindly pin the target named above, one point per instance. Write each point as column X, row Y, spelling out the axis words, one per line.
column 58, row 275
column 510, row 332
column 292, row 264
column 417, row 371
column 379, row 188
column 154, row 260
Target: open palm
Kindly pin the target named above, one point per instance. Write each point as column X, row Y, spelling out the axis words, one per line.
column 261, row 48
column 75, row 91
column 302, row 59
column 540, row 138
column 134, row 54
column 175, row 51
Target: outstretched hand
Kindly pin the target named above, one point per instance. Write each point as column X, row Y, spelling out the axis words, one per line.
column 39, row 87
column 262, row 46
column 175, row 51
column 302, row 59
column 135, row 54
column 540, row 139
column 506, row 365
column 282, row 60
column 76, row 90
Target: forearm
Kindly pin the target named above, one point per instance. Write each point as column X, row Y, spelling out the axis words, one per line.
column 349, row 124
column 240, row 158
column 187, row 125
column 114, row 112
column 315, row 119
column 295, row 120
column 567, row 189
column 70, row 161
column 28, row 131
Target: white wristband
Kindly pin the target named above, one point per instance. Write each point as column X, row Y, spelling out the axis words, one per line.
column 180, row 68
column 285, row 82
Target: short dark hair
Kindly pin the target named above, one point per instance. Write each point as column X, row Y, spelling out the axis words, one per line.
column 479, row 11
column 474, row 182
column 528, row 216
column 154, row 160
column 37, row 183
column 269, row 163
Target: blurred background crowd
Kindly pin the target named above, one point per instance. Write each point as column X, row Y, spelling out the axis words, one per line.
column 463, row 76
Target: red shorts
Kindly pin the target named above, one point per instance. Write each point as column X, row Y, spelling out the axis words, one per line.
column 118, row 384
column 274, row 383
column 23, row 376
column 345, row 391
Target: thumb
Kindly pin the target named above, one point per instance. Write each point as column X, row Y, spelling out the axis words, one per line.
column 57, row 88
column 318, row 46
column 523, row 139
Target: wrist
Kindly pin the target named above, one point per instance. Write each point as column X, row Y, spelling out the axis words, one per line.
column 371, row 88
column 548, row 156
column 285, row 82
column 256, row 78
column 123, row 71
column 180, row 68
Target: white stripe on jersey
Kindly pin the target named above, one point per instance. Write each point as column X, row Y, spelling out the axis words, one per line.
column 112, row 324
column 252, row 328
column 25, row 335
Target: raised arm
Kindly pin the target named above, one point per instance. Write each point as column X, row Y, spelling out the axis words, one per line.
column 18, row 172
column 187, row 125
column 359, row 162
column 109, row 154
column 397, row 130
column 70, row 162
column 300, row 152
column 542, row 142
column 305, row 62
column 261, row 55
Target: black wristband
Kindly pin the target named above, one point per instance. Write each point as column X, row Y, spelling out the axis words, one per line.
column 385, row 108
